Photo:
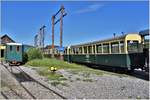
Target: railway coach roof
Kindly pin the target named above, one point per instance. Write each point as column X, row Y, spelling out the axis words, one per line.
column 13, row 43
column 106, row 40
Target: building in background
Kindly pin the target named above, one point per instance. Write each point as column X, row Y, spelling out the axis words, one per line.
column 48, row 50
column 3, row 40
column 6, row 39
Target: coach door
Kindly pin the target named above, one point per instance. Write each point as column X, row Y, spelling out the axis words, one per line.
column 2, row 52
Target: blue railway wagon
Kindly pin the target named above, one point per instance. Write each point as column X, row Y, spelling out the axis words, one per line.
column 14, row 52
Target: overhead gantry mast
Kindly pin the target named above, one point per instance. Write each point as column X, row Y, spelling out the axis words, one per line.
column 62, row 12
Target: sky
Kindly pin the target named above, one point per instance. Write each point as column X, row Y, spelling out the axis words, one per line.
column 85, row 21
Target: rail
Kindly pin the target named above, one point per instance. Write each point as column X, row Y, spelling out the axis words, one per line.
column 34, row 80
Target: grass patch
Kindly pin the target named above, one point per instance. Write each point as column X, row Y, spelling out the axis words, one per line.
column 85, row 71
column 75, row 68
column 56, row 83
column 54, row 76
column 87, row 80
column 129, row 97
column 78, row 79
column 46, row 62
column 86, row 74
column 51, row 75
column 117, row 74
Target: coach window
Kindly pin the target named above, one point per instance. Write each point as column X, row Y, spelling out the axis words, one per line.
column 85, row 49
column 115, row 47
column 69, row 51
column 80, row 50
column 17, row 48
column 77, row 50
column 90, row 49
column 99, row 48
column 132, row 46
column 105, row 48
column 10, row 48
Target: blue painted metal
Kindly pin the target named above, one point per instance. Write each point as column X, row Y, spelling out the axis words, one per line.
column 13, row 54
column 61, row 49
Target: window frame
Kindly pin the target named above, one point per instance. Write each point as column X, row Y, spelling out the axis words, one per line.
column 17, row 48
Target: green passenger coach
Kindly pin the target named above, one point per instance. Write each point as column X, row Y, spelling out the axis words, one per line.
column 120, row 52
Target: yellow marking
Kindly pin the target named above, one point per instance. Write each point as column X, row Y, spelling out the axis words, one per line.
column 2, row 47
column 132, row 37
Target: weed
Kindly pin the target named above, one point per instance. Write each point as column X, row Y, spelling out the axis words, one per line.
column 62, row 78
column 56, row 83
column 87, row 80
column 69, row 77
column 71, row 80
column 138, row 97
column 64, row 84
column 51, row 75
column 78, row 79
column 130, row 97
column 86, row 74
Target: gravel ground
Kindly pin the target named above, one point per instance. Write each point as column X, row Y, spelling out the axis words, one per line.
column 105, row 87
column 10, row 87
column 23, row 88
column 90, row 87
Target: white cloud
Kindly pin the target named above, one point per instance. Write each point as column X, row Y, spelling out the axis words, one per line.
column 90, row 8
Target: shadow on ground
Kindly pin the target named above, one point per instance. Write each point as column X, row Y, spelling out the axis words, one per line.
column 136, row 73
column 22, row 77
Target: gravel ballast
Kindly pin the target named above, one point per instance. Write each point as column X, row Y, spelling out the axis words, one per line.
column 94, row 86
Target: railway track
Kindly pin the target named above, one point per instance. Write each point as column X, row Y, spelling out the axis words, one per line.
column 36, row 83
column 11, row 92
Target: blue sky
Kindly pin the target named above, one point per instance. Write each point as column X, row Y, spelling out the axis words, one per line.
column 85, row 21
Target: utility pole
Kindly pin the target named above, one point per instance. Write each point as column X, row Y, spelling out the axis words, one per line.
column 61, row 26
column 53, row 19
column 42, row 35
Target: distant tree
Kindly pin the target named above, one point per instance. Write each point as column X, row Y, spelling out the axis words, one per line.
column 34, row 53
